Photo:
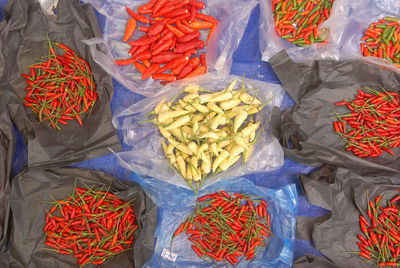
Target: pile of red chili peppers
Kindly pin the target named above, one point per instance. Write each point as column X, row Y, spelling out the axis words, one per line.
column 382, row 40
column 171, row 36
column 91, row 225
column 298, row 20
column 373, row 126
column 222, row 227
column 61, row 87
column 380, row 241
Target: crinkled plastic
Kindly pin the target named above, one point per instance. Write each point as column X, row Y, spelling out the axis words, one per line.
column 271, row 43
column 305, row 130
column 389, row 5
column 309, row 260
column 176, row 204
column 7, row 150
column 146, row 157
column 364, row 14
column 233, row 16
column 23, row 38
column 28, row 217
column 344, row 192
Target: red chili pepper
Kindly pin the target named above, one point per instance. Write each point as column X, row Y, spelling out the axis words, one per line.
column 144, row 29
column 166, row 77
column 150, row 71
column 203, row 60
column 145, row 40
column 205, row 17
column 130, row 28
column 189, row 37
column 164, row 11
column 175, row 31
column 146, row 55
column 140, row 67
column 363, row 254
column 197, row 4
column 390, row 264
column 144, row 11
column 125, row 61
column 198, row 71
column 138, row 17
column 193, row 44
column 159, row 4
column 163, row 47
column 201, row 25
column 373, row 238
column 173, row 63
column 395, row 199
column 183, row 28
column 212, row 30
column 155, row 29
column 164, row 57
column 185, row 71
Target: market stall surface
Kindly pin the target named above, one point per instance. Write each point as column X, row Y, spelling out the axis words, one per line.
column 246, row 59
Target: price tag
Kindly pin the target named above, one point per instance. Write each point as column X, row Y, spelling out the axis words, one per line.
column 166, row 254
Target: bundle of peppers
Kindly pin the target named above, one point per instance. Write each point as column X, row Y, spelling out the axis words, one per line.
column 171, row 36
column 90, row 225
column 373, row 126
column 298, row 20
column 223, row 227
column 380, row 241
column 207, row 133
column 382, row 40
column 61, row 87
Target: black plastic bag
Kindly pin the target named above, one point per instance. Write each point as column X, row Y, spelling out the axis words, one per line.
column 307, row 261
column 7, row 149
column 344, row 192
column 23, row 37
column 28, row 216
column 305, row 130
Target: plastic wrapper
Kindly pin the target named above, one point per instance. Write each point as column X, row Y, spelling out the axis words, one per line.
column 28, row 216
column 305, row 130
column 363, row 15
column 145, row 154
column 7, row 150
column 271, row 43
column 344, row 192
column 177, row 203
column 316, row 261
column 232, row 15
column 389, row 5
column 22, row 40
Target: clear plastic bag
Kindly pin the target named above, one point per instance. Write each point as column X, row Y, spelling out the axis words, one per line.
column 176, row 204
column 271, row 43
column 389, row 5
column 232, row 15
column 363, row 15
column 145, row 154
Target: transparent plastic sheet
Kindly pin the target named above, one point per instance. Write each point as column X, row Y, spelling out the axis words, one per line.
column 146, row 157
column 232, row 15
column 271, row 43
column 344, row 192
column 389, row 5
column 7, row 150
column 175, row 204
column 305, row 130
column 367, row 12
column 28, row 217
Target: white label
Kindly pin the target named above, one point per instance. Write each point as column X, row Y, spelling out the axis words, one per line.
column 166, row 254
